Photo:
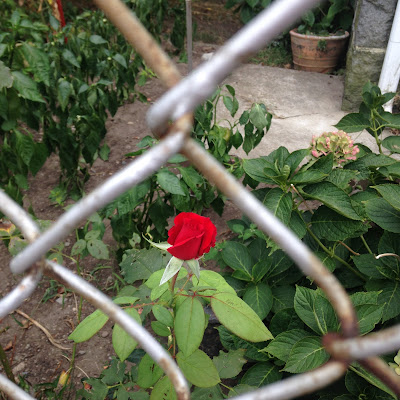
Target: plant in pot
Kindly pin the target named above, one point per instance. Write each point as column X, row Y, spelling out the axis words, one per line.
column 319, row 41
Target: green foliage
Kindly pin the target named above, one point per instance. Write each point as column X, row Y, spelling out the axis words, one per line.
column 248, row 9
column 147, row 207
column 58, row 87
column 373, row 118
column 330, row 17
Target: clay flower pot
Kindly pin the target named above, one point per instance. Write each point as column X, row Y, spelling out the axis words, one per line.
column 317, row 53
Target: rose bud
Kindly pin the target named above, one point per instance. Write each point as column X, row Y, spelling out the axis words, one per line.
column 191, row 236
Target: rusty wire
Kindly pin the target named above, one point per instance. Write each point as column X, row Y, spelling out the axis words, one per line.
column 177, row 105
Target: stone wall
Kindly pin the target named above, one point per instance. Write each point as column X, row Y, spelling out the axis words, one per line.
column 370, row 34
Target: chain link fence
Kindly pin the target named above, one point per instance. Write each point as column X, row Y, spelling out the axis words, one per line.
column 177, row 105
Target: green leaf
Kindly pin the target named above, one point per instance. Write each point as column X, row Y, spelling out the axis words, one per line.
column 194, row 267
column 212, row 393
column 353, row 122
column 163, row 390
column 282, row 345
column 370, row 378
column 368, row 315
column 88, row 327
column 98, row 249
column 280, row 204
column 98, row 390
column 329, row 262
column 78, row 247
column 283, row 297
column 383, row 214
column 237, row 256
column 257, row 117
column 169, row 182
column 213, row 280
column 189, row 325
column 67, row 55
column 239, row 318
column 171, row 269
column 122, row 342
column 368, row 265
column 191, row 177
column 160, row 329
column 285, row 320
column 125, row 300
column 391, row 120
column 120, row 59
column 148, row 372
column 341, row 177
column 155, row 277
column 314, row 310
column 163, row 315
column 96, row 39
column 25, row 147
column 261, row 374
column 231, row 104
column 295, row 158
column 306, row 354
column 141, row 264
column 309, row 176
column 104, row 152
column 333, row 197
column 255, row 169
column 240, row 389
column 392, row 143
column 64, row 91
column 6, row 79
column 277, row 263
column 391, row 193
column 389, row 296
column 259, row 298
column 332, row 226
column 198, row 369
column 390, row 243
column 38, row 62
column 39, row 157
column 230, row 364
column 26, row 87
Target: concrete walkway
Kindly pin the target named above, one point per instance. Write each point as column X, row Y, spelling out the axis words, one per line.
column 303, row 104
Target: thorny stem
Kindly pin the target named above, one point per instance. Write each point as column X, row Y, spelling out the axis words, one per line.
column 365, row 244
column 333, row 255
column 6, row 364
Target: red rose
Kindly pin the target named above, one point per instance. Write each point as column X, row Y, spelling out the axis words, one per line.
column 191, row 236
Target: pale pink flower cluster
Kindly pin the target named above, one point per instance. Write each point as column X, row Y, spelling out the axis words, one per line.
column 339, row 143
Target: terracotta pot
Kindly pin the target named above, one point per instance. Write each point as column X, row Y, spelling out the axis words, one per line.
column 317, row 53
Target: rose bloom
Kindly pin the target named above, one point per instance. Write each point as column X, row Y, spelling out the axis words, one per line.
column 191, row 236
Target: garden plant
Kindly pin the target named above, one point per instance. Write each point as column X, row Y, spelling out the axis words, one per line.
column 337, row 196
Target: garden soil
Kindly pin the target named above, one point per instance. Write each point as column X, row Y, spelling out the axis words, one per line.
column 302, row 104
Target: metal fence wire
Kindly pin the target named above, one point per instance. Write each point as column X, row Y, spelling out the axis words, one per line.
column 177, row 105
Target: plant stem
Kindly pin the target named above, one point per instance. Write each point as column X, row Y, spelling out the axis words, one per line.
column 348, row 248
column 365, row 244
column 72, row 362
column 6, row 364
column 336, row 257
column 173, row 281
